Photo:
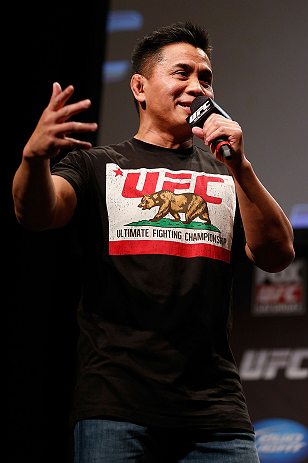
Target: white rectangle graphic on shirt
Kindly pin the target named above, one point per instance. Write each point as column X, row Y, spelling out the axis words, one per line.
column 161, row 205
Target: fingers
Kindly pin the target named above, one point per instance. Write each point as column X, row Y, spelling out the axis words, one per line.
column 76, row 127
column 59, row 97
column 216, row 126
column 60, row 113
column 67, row 142
column 58, row 100
column 50, row 133
column 198, row 132
column 56, row 90
column 70, row 110
column 213, row 127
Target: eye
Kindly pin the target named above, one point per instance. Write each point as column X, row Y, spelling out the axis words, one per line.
column 205, row 83
column 181, row 73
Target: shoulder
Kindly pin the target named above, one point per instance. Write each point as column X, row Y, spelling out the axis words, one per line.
column 86, row 160
column 210, row 163
column 105, row 154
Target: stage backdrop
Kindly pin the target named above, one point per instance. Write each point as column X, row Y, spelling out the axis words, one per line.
column 260, row 78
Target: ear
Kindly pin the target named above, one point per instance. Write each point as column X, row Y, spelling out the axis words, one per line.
column 137, row 86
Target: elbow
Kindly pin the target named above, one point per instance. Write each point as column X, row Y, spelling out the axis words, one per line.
column 281, row 261
column 285, row 254
column 32, row 225
column 289, row 257
column 273, row 259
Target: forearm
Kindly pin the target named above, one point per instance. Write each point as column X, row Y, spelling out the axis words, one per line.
column 34, row 194
column 269, row 235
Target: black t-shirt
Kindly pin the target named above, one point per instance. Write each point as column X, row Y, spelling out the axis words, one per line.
column 159, row 230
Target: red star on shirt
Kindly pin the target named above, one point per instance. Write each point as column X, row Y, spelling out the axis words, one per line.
column 118, row 172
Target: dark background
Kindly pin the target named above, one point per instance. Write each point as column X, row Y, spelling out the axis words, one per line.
column 63, row 42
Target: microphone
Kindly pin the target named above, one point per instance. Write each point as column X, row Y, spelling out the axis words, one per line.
column 201, row 108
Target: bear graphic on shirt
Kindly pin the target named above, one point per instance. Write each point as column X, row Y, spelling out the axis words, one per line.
column 191, row 204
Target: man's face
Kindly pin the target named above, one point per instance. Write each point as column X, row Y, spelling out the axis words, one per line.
column 183, row 73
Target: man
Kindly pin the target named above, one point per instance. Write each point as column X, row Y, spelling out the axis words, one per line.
column 160, row 222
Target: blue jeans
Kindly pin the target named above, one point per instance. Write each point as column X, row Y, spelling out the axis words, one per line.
column 106, row 441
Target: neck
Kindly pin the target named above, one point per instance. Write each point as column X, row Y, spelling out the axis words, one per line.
column 163, row 139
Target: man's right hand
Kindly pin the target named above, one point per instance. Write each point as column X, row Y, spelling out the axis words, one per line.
column 43, row 201
column 50, row 133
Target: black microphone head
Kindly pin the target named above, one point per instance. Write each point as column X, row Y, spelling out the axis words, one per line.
column 197, row 102
column 201, row 108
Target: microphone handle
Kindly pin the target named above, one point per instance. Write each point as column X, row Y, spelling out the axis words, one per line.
column 223, row 147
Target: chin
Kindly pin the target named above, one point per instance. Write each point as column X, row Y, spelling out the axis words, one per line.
column 182, row 133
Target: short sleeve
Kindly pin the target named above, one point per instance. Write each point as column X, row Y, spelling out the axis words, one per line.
column 73, row 168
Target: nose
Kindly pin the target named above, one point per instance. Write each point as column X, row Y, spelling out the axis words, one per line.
column 194, row 87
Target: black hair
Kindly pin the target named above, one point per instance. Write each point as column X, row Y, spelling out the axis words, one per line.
column 148, row 50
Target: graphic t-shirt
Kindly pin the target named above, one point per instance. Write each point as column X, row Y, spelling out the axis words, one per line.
column 159, row 230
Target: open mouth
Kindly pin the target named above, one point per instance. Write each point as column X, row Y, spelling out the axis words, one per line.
column 186, row 107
